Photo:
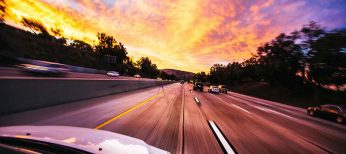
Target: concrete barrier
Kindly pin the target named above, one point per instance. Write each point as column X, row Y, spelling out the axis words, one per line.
column 26, row 94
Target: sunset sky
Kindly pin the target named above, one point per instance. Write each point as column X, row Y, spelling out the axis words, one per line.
column 188, row 35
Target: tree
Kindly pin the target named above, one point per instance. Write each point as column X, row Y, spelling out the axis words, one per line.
column 81, row 45
column 281, row 59
column 56, row 31
column 147, row 68
column 35, row 26
column 328, row 60
column 307, row 36
column 2, row 10
column 109, row 46
column 201, row 77
column 251, row 69
column 217, row 74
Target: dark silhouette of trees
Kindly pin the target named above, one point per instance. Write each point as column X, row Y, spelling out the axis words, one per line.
column 42, row 46
column 147, row 68
column 307, row 57
column 281, row 59
column 81, row 45
column 2, row 10
column 307, row 36
column 327, row 59
column 109, row 46
column 35, row 26
column 56, row 32
column 200, row 77
column 218, row 74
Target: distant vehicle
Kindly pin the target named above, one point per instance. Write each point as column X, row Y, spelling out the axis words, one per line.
column 213, row 89
column 113, row 74
column 222, row 89
column 159, row 78
column 137, row 76
column 65, row 139
column 198, row 86
column 182, row 81
column 44, row 68
column 329, row 111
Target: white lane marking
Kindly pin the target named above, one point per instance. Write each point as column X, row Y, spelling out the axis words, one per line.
column 240, row 100
column 233, row 105
column 263, row 109
column 268, row 102
column 196, row 99
column 221, row 138
column 275, row 112
column 241, row 108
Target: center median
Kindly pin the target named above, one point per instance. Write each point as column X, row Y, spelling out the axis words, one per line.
column 25, row 94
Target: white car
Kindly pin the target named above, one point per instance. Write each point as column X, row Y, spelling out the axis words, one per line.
column 213, row 89
column 137, row 76
column 66, row 139
column 113, row 74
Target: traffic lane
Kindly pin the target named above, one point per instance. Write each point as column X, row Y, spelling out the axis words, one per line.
column 249, row 133
column 198, row 137
column 19, row 74
column 331, row 140
column 296, row 112
column 157, row 123
column 86, row 113
column 266, row 102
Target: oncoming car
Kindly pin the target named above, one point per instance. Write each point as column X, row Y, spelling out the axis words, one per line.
column 214, row 89
column 329, row 111
column 39, row 67
column 66, row 139
column 113, row 74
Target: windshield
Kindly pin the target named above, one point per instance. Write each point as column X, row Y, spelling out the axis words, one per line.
column 177, row 76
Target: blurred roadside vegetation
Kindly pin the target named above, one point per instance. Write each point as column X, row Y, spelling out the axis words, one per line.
column 307, row 66
column 41, row 43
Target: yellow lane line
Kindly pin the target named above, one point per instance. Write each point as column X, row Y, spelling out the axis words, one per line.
column 127, row 111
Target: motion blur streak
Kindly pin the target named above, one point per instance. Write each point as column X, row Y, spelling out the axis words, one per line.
column 187, row 35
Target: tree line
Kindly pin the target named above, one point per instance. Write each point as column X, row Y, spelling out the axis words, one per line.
column 49, row 44
column 311, row 56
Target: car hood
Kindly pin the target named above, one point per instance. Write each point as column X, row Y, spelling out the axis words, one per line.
column 82, row 138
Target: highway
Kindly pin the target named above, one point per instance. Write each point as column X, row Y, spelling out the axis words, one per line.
column 179, row 120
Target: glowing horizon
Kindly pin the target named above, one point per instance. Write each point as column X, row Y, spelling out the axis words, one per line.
column 181, row 34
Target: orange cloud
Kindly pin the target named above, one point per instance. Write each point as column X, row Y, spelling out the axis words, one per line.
column 183, row 34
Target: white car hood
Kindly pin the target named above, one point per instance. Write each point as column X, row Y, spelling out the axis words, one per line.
column 82, row 138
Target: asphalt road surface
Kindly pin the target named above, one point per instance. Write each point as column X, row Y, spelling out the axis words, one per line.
column 171, row 119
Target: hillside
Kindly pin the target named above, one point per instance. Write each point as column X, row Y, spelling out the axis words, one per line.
column 181, row 75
